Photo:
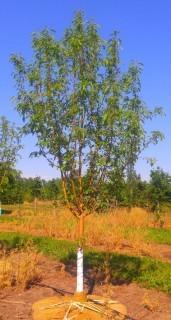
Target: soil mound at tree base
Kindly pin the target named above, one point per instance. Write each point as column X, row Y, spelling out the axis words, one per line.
column 95, row 307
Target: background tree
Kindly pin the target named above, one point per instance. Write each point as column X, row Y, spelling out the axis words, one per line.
column 139, row 192
column 86, row 113
column 20, row 189
column 13, row 191
column 51, row 190
column 9, row 150
column 159, row 192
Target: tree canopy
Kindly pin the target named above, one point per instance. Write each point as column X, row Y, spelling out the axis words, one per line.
column 86, row 112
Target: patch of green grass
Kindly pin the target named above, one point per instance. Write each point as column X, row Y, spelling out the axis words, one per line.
column 58, row 249
column 17, row 220
column 161, row 236
column 148, row 272
column 152, row 235
column 4, row 218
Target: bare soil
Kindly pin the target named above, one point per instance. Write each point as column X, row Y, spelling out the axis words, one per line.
column 142, row 304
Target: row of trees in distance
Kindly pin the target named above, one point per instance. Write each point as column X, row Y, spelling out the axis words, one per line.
column 154, row 195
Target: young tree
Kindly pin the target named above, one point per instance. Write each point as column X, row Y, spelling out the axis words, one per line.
column 13, row 192
column 9, row 148
column 159, row 188
column 86, row 113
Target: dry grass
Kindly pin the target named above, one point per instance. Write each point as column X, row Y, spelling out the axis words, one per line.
column 19, row 268
column 119, row 229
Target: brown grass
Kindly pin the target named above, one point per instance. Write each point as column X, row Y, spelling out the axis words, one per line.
column 119, row 230
column 116, row 230
column 19, row 268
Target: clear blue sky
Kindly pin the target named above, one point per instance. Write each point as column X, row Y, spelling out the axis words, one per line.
column 145, row 29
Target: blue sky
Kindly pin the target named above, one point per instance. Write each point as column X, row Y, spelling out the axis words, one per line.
column 144, row 27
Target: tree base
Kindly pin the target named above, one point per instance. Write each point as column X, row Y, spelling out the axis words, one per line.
column 94, row 307
column 80, row 296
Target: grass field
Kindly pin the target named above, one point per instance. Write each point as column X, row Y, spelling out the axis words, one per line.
column 156, row 235
column 138, row 227
column 148, row 272
column 54, row 232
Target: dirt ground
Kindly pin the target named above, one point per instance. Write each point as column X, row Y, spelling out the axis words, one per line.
column 142, row 304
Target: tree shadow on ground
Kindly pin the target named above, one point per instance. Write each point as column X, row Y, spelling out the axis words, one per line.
column 101, row 268
column 62, row 292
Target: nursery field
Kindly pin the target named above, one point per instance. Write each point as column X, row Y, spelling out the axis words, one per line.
column 127, row 257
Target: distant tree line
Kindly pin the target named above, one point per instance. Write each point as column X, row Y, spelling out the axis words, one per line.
column 153, row 195
column 19, row 189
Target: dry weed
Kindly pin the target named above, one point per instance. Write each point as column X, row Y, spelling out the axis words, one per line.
column 119, row 230
column 19, row 267
column 135, row 238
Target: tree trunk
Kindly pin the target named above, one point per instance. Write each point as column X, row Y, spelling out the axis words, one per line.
column 81, row 229
column 80, row 285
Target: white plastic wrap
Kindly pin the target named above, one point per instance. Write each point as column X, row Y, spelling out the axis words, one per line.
column 80, row 286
